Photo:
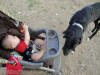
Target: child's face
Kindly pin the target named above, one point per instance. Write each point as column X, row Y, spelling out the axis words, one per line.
column 11, row 42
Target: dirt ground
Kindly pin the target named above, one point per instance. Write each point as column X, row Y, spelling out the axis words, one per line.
column 55, row 14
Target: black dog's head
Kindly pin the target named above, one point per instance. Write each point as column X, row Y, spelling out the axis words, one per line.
column 73, row 37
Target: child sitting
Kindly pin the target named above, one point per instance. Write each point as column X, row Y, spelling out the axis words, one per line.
column 23, row 46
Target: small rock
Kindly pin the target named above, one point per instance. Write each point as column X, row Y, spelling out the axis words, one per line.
column 57, row 14
column 19, row 12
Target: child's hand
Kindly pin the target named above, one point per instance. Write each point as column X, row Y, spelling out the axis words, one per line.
column 25, row 27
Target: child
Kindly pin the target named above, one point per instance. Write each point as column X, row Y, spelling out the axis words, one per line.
column 13, row 42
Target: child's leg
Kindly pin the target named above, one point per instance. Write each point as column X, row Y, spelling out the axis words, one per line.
column 39, row 41
column 38, row 55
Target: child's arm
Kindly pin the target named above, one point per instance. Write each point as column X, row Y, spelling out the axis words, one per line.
column 24, row 44
column 38, row 55
column 26, row 32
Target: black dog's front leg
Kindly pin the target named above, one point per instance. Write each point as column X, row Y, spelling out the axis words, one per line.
column 93, row 34
column 96, row 28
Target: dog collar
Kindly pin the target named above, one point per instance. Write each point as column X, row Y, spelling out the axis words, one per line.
column 77, row 24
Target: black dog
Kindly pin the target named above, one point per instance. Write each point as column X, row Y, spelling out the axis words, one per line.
column 78, row 24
